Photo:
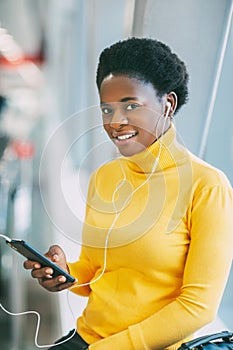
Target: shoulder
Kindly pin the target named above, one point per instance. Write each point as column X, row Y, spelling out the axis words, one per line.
column 206, row 175
column 212, row 194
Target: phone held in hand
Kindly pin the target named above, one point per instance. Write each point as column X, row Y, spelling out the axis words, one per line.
column 32, row 254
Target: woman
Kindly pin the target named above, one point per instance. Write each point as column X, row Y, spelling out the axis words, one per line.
column 157, row 237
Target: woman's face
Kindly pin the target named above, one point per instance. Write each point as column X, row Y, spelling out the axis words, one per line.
column 132, row 113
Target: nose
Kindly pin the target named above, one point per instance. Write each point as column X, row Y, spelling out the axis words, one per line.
column 118, row 120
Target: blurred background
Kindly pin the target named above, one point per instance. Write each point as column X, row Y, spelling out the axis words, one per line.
column 50, row 129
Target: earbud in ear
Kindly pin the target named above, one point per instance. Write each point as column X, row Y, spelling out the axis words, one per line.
column 168, row 105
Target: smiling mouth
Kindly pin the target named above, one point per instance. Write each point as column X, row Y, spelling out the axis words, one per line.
column 125, row 136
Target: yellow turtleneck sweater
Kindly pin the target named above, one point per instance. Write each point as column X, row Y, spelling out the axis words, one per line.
column 169, row 239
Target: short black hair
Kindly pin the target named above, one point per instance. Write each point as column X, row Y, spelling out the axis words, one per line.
column 148, row 60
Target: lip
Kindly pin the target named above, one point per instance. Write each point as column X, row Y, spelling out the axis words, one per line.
column 124, row 140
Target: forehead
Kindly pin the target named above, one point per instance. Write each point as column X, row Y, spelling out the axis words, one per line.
column 120, row 87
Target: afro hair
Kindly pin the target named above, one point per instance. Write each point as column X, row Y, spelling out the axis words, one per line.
column 147, row 60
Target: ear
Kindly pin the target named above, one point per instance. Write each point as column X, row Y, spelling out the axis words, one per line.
column 172, row 99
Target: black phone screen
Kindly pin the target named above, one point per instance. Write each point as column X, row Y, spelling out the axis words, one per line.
column 32, row 254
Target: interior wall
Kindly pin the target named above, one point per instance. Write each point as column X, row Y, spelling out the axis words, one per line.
column 195, row 31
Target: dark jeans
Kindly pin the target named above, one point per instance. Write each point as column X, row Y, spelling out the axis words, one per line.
column 75, row 343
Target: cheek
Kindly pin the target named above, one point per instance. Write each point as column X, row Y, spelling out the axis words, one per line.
column 145, row 120
column 106, row 127
column 147, row 128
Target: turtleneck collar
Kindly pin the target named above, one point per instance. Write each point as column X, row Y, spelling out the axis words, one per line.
column 165, row 152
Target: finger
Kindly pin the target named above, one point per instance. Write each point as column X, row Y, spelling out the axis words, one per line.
column 45, row 272
column 60, row 287
column 64, row 286
column 55, row 284
column 57, row 255
column 49, row 282
column 29, row 265
column 54, row 253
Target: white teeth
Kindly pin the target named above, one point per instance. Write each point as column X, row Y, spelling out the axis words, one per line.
column 124, row 137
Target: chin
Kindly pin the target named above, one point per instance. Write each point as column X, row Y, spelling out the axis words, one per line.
column 130, row 151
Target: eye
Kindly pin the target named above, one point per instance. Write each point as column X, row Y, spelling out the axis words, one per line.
column 132, row 106
column 106, row 110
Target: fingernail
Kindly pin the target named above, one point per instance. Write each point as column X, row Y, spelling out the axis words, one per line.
column 49, row 271
column 55, row 257
column 61, row 279
column 36, row 266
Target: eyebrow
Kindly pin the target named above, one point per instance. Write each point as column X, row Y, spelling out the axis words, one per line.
column 125, row 99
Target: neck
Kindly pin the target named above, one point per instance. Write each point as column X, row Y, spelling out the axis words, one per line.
column 163, row 153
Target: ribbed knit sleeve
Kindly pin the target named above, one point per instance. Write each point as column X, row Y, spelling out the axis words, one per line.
column 206, row 271
column 83, row 274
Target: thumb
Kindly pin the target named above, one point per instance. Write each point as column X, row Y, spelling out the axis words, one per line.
column 55, row 254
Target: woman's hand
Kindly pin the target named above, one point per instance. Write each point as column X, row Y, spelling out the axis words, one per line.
column 44, row 274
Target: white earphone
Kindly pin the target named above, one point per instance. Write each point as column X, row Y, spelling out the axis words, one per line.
column 168, row 105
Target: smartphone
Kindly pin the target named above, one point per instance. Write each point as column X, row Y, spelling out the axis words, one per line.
column 32, row 254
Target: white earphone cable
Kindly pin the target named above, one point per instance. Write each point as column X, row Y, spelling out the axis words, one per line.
column 117, row 214
column 33, row 312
